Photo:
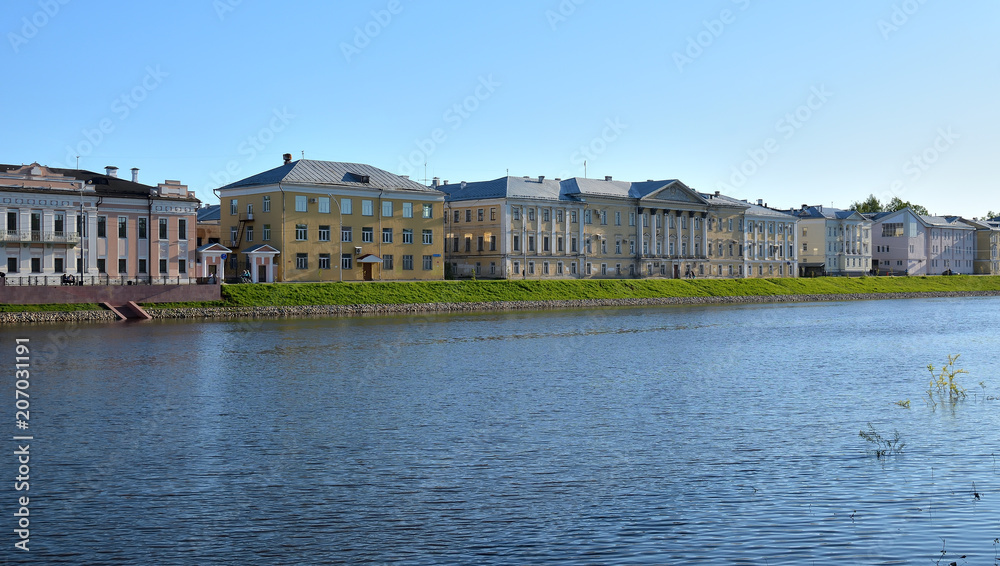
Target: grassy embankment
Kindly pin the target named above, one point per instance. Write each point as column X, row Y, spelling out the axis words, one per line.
column 292, row 294
column 482, row 291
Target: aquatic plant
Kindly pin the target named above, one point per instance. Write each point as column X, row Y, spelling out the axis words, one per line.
column 943, row 386
column 904, row 404
column 882, row 446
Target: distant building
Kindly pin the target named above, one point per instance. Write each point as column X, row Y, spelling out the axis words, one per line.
column 313, row 220
column 209, row 225
column 765, row 240
column 907, row 243
column 987, row 247
column 834, row 241
column 68, row 221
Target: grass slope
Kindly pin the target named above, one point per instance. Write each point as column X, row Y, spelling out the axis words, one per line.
column 293, row 294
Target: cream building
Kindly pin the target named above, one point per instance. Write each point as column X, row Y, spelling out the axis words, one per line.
column 834, row 241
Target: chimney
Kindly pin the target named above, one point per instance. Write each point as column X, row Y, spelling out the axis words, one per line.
column 717, row 193
column 287, row 157
column 805, row 206
column 446, row 181
column 541, row 178
column 436, row 182
column 463, row 184
column 112, row 171
column 760, row 202
column 607, row 177
column 135, row 174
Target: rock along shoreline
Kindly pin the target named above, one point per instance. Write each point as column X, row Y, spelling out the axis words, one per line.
column 222, row 313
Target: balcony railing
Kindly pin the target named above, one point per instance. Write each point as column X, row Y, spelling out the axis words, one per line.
column 39, row 237
column 104, row 279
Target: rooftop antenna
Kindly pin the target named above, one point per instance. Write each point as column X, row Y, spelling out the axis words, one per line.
column 77, row 162
column 584, row 168
column 303, row 154
column 425, row 179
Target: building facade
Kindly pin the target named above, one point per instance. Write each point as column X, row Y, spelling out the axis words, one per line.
column 834, row 242
column 331, row 221
column 987, row 248
column 907, row 243
column 95, row 226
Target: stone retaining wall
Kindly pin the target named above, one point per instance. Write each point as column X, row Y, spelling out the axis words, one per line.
column 361, row 310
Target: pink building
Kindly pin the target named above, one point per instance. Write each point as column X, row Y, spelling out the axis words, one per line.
column 99, row 227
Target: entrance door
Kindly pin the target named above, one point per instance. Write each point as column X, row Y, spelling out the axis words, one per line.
column 262, row 274
column 677, row 272
column 368, row 271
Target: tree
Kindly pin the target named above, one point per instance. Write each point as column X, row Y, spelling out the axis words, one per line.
column 899, row 204
column 991, row 215
column 869, row 205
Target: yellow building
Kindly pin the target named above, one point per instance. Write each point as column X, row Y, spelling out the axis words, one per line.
column 331, row 221
column 725, row 236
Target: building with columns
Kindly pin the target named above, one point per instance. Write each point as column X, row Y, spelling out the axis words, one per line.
column 575, row 228
column 98, row 227
column 751, row 240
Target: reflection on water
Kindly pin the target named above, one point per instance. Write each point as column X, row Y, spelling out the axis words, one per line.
column 653, row 435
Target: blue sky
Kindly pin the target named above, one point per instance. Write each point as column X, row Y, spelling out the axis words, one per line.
column 790, row 102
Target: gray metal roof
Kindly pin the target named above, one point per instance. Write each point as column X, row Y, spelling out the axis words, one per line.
column 210, row 213
column 312, row 172
column 504, row 187
column 749, row 207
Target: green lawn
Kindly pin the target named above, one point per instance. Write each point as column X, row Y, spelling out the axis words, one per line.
column 292, row 294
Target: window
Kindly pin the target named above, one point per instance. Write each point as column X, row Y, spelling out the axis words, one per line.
column 301, row 261
column 142, row 229
column 545, row 243
column 122, row 227
column 387, row 262
column 545, row 267
column 367, row 207
column 454, row 241
column 267, row 204
column 324, row 261
column 102, row 265
column 346, row 206
column 387, row 209
column 517, row 268
column 182, row 232
column 479, row 246
column 572, row 216
column 531, row 268
column 301, row 203
column 531, row 243
column 233, row 205
column 122, row 266
column 618, row 246
column 892, row 229
column 730, row 228
column 618, row 218
column 458, row 216
column 407, row 210
column 346, row 261
column 559, row 244
column 515, row 213
column 428, row 211
column 232, row 234
column 367, row 235
column 267, row 232
column 479, row 215
column 428, row 263
column 572, row 244
column 604, row 218
column 631, row 219
column 531, row 214
column 588, row 216
column 493, row 268
column 428, row 236
column 407, row 236
column 493, row 243
column 493, row 215
column 163, row 229
column 346, row 234
column 545, row 215
column 142, row 266
column 517, row 243
column 324, row 207
column 301, row 232
column 102, row 226
column 407, row 263
column 324, row 233
column 386, row 235
column 631, row 247
column 249, row 233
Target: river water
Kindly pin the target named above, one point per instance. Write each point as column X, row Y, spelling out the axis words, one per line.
column 667, row 435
